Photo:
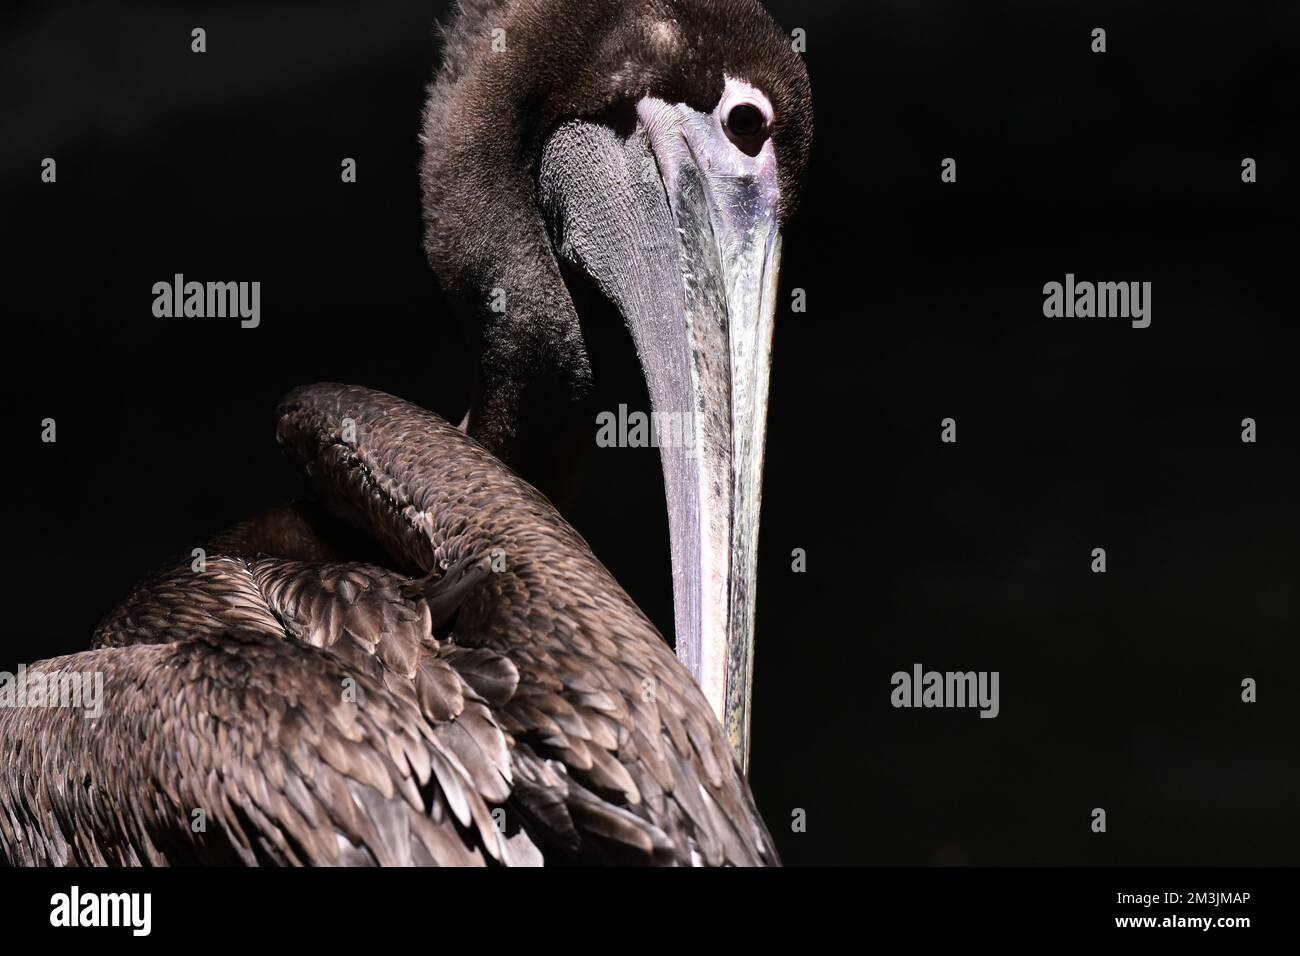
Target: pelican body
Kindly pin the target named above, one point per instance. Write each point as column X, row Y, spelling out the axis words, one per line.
column 485, row 692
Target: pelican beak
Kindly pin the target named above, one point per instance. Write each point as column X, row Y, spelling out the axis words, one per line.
column 678, row 228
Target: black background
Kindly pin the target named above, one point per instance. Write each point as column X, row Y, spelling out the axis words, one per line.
column 924, row 301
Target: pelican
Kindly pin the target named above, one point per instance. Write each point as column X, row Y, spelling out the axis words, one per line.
column 482, row 691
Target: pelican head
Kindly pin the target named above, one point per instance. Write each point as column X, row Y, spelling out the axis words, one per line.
column 654, row 151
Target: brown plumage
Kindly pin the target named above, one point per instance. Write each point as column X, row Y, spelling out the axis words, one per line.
column 478, row 689
column 488, row 115
column 537, row 689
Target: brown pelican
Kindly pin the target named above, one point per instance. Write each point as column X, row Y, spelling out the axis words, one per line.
column 487, row 693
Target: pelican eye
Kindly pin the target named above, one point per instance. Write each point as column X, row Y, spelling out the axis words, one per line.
column 745, row 119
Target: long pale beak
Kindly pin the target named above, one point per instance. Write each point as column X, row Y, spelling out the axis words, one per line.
column 678, row 228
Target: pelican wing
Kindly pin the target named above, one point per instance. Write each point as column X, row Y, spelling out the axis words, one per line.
column 509, row 703
column 226, row 746
column 617, row 755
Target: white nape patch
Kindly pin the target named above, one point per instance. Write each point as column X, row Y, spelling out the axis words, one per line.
column 664, row 37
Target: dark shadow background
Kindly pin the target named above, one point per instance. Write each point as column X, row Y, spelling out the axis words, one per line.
column 924, row 301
